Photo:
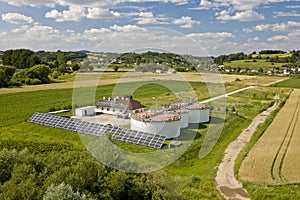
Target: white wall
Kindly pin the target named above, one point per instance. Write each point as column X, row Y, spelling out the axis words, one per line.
column 111, row 111
column 199, row 116
column 184, row 121
column 85, row 111
column 169, row 129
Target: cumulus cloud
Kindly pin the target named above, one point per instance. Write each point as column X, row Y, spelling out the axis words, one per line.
column 185, row 22
column 125, row 28
column 254, row 39
column 209, row 37
column 283, row 27
column 16, row 18
column 241, row 5
column 248, row 15
column 75, row 13
column 286, row 14
column 147, row 18
column 277, row 38
column 247, row 30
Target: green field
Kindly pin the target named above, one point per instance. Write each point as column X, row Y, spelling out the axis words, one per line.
column 191, row 176
column 264, row 64
column 290, row 83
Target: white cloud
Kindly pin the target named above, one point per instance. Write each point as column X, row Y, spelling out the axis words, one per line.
column 295, row 33
column 293, row 23
column 86, row 4
column 211, row 37
column 254, row 39
column 241, row 5
column 147, row 18
column 21, row 29
column 32, row 3
column 125, row 28
column 247, row 30
column 75, row 13
column 293, row 7
column 2, row 33
column 16, row 18
column 277, row 27
column 286, row 14
column 248, row 15
column 185, row 22
column 262, row 27
column 277, row 38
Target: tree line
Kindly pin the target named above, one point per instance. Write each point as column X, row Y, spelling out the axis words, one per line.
column 75, row 175
column 293, row 59
column 171, row 60
column 26, row 67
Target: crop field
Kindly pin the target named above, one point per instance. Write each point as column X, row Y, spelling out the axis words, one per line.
column 275, row 158
column 108, row 78
column 290, row 83
column 257, row 64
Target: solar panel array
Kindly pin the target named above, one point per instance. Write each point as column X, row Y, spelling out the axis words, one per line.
column 89, row 128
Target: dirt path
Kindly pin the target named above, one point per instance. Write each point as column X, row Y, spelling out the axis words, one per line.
column 227, row 184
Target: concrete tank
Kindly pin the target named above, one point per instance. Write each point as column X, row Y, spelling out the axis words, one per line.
column 164, row 124
column 198, row 113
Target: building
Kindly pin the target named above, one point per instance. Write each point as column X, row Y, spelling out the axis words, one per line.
column 85, row 111
column 119, row 106
column 162, row 122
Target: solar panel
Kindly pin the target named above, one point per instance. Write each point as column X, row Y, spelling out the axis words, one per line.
column 89, row 128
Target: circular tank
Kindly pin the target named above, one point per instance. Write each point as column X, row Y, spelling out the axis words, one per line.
column 164, row 124
column 198, row 113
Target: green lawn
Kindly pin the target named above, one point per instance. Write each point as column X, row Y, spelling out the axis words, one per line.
column 252, row 65
column 290, row 83
column 194, row 176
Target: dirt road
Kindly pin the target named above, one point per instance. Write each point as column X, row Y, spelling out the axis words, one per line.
column 227, row 184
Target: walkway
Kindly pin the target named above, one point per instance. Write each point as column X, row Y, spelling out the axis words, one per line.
column 227, row 184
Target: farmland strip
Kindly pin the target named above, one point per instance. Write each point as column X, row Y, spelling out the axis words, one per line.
column 279, row 157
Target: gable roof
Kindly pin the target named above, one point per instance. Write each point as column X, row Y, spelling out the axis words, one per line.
column 127, row 102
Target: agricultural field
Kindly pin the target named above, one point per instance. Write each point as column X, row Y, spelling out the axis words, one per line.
column 290, row 83
column 274, row 159
column 107, row 78
column 251, row 64
column 192, row 177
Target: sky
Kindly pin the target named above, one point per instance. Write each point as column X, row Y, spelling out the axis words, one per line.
column 196, row 27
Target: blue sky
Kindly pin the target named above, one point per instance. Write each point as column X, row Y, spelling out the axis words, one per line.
column 198, row 27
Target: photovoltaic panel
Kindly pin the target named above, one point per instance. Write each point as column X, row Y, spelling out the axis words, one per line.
column 89, row 128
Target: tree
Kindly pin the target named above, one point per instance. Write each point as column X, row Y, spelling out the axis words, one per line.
column 115, row 68
column 20, row 58
column 62, row 192
column 61, row 58
column 40, row 72
column 6, row 72
column 75, row 67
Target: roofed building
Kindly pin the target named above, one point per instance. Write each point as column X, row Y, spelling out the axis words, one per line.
column 120, row 106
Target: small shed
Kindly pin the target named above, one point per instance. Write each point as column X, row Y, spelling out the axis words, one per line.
column 85, row 111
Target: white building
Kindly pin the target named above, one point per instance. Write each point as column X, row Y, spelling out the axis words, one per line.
column 119, row 106
column 85, row 111
column 163, row 123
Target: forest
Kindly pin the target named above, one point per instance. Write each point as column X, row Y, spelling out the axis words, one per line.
column 26, row 67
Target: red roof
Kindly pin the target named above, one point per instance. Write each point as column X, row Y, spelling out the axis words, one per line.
column 132, row 104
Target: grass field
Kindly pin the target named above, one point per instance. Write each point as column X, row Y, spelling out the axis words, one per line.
column 194, row 176
column 274, row 158
column 108, row 78
column 264, row 64
column 290, row 83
